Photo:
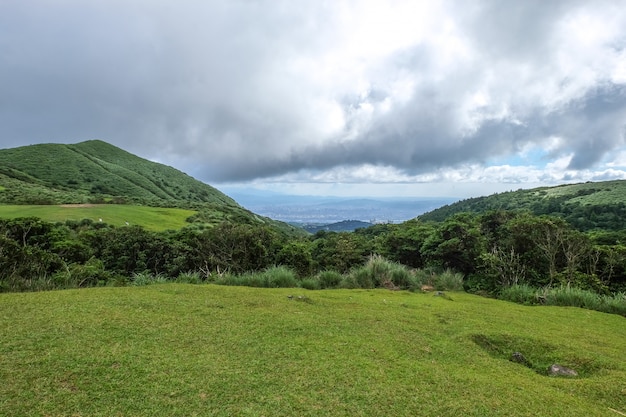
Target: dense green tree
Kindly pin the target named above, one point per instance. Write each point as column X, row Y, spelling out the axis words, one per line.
column 340, row 251
column 403, row 243
column 297, row 255
column 456, row 244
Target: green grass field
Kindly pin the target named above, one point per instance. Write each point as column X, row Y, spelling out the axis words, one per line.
column 152, row 218
column 206, row 350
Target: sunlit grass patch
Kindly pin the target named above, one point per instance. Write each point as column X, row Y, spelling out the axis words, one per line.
column 152, row 218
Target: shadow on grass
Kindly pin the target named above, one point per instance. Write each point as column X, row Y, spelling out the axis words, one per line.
column 536, row 354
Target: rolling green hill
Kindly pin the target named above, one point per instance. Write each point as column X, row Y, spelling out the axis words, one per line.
column 95, row 172
column 80, row 173
column 587, row 206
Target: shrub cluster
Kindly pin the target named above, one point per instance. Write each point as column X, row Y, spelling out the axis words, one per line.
column 565, row 296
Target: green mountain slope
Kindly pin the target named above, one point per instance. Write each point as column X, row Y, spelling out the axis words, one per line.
column 587, row 206
column 97, row 172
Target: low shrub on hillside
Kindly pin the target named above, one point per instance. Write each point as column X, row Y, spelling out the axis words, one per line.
column 379, row 272
column 189, row 278
column 329, row 279
column 565, row 296
column 146, row 278
column 310, row 284
column 280, row 277
column 448, row 280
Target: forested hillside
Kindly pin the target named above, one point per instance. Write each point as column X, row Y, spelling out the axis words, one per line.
column 586, row 206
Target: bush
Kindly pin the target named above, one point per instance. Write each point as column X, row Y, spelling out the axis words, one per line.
column 566, row 296
column 379, row 272
column 229, row 279
column 189, row 278
column 614, row 304
column 520, row 293
column 310, row 284
column 449, row 281
column 280, row 277
column 329, row 279
column 252, row 279
column 573, row 297
column 361, row 277
column 146, row 278
column 348, row 282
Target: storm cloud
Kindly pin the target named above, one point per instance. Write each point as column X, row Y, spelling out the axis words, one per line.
column 342, row 91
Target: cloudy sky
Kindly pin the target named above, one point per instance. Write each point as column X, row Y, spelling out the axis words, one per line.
column 409, row 98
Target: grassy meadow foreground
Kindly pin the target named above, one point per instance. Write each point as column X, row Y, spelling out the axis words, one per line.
column 199, row 350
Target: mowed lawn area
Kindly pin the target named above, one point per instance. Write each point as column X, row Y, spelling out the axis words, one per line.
column 152, row 218
column 207, row 350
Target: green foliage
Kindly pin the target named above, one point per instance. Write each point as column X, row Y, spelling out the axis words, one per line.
column 280, row 277
column 146, row 278
column 379, row 272
column 340, row 251
column 519, row 293
column 565, row 296
column 90, row 274
column 297, row 255
column 402, row 243
column 456, row 243
column 329, row 279
column 189, row 278
column 448, row 280
column 234, row 247
column 585, row 206
column 310, row 284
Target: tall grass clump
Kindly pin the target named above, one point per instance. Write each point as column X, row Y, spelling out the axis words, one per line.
column 448, row 280
column 252, row 279
column 379, row 272
column 146, row 278
column 227, row 278
column 567, row 295
column 329, row 279
column 310, row 284
column 614, row 304
column 280, row 277
column 519, row 293
column 18, row 284
column 192, row 277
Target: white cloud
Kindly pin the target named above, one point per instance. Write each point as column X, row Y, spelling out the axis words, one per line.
column 396, row 91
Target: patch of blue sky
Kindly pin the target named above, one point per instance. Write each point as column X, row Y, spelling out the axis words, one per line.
column 535, row 157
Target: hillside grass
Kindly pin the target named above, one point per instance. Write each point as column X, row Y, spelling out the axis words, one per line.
column 589, row 205
column 180, row 349
column 151, row 218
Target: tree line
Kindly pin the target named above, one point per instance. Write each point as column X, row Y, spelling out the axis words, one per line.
column 493, row 251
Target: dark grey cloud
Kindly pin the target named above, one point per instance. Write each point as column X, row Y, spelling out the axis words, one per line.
column 238, row 90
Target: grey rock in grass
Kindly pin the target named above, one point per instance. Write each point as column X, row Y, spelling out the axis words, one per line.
column 559, row 370
column 517, row 357
column 443, row 295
